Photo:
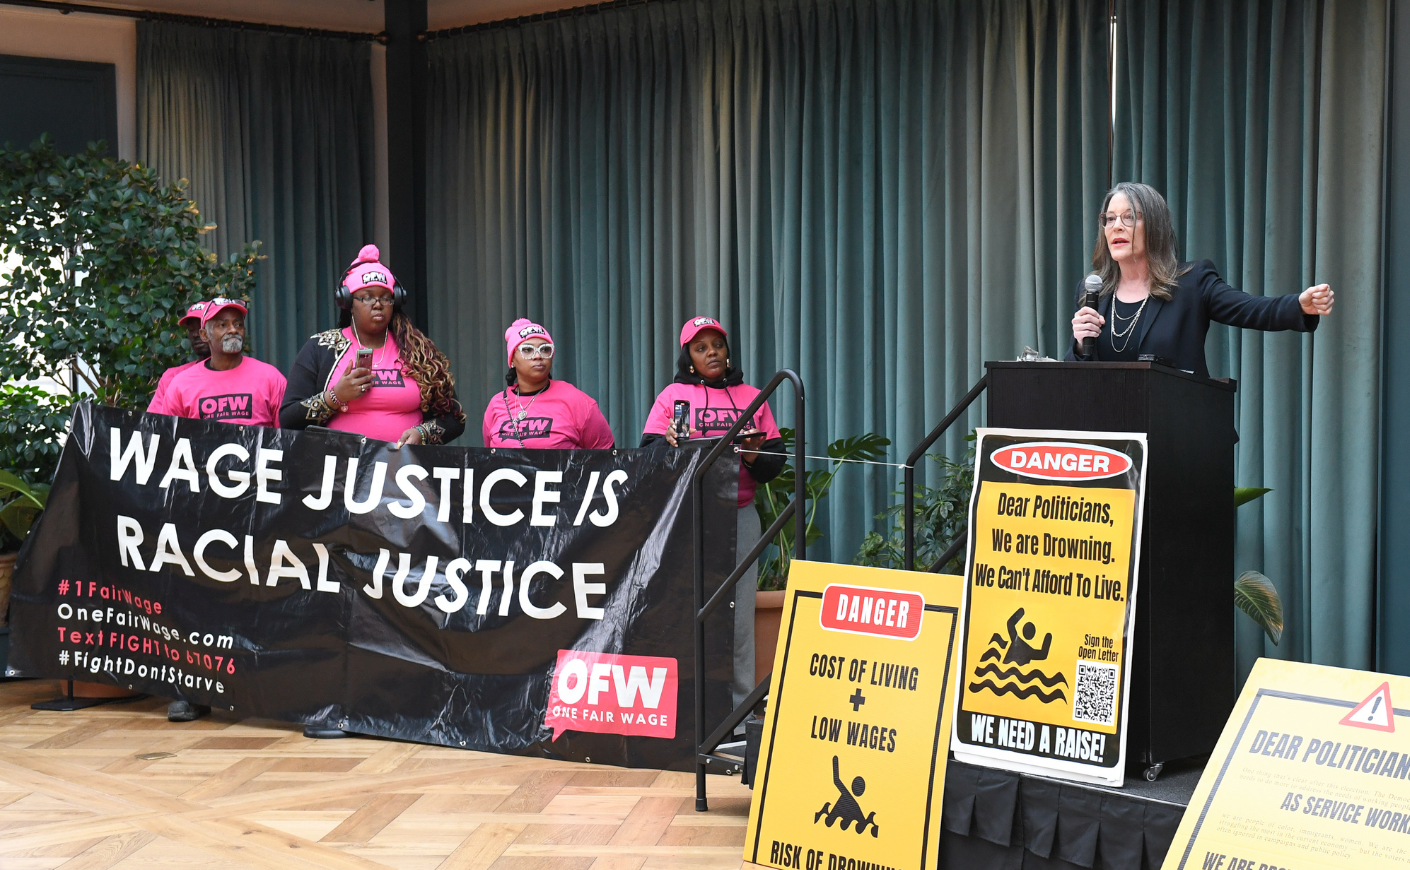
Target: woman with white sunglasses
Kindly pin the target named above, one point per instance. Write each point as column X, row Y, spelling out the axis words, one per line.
column 536, row 411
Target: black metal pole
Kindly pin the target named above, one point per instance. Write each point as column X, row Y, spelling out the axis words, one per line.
column 800, row 477
column 406, row 151
column 908, row 475
column 697, row 506
column 697, row 502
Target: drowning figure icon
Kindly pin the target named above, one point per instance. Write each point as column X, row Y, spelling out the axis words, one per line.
column 846, row 807
column 1018, row 652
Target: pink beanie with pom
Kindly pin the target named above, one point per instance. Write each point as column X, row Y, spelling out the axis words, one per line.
column 367, row 271
column 521, row 331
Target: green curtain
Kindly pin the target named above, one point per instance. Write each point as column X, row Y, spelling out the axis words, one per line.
column 881, row 193
column 1263, row 124
column 274, row 133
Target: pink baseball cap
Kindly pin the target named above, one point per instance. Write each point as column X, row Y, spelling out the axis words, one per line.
column 521, row 331
column 367, row 271
column 219, row 304
column 194, row 313
column 694, row 325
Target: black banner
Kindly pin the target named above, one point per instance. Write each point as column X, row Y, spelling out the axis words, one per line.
column 534, row 602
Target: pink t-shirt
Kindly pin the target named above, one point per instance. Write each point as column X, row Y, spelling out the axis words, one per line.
column 158, row 403
column 250, row 393
column 712, row 412
column 391, row 407
column 560, row 416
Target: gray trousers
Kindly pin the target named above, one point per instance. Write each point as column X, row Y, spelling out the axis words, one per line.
column 747, row 531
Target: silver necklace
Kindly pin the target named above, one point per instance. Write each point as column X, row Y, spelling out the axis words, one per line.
column 376, row 352
column 524, row 411
column 1131, row 327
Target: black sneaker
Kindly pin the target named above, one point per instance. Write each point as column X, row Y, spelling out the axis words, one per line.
column 185, row 711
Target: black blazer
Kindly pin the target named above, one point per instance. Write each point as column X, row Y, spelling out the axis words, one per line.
column 312, row 373
column 1176, row 329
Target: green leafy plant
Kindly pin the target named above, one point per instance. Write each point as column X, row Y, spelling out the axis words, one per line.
column 941, row 515
column 20, row 503
column 1254, row 593
column 102, row 257
column 772, row 498
column 1258, row 597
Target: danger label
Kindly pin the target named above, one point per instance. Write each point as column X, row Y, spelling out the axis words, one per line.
column 1062, row 461
column 882, row 612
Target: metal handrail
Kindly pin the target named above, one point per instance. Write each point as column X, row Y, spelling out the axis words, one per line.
column 704, row 745
column 909, row 472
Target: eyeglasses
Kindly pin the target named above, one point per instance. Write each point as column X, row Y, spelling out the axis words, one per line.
column 374, row 301
column 1127, row 218
column 530, row 352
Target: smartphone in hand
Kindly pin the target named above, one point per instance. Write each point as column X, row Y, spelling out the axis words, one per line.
column 363, row 359
column 680, row 419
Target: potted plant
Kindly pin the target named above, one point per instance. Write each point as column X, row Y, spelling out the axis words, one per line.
column 941, row 515
column 102, row 256
column 1254, row 593
column 770, row 500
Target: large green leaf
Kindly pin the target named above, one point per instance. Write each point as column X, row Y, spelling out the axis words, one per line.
column 17, row 517
column 1245, row 494
column 1256, row 595
column 24, row 493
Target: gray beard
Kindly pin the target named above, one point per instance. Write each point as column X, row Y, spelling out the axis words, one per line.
column 232, row 344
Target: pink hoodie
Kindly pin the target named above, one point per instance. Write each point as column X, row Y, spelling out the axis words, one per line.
column 712, row 411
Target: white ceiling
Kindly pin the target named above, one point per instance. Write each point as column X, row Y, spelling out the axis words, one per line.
column 357, row 15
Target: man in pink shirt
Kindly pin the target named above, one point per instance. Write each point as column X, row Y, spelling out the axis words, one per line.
column 229, row 387
column 192, row 321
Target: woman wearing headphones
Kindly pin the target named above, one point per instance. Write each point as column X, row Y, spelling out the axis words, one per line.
column 710, row 394
column 535, row 410
column 377, row 374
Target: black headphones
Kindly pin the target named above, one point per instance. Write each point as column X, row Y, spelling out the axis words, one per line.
column 344, row 296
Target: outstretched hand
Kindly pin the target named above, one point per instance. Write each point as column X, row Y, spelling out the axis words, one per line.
column 1317, row 300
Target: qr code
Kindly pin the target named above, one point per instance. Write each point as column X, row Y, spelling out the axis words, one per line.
column 1095, row 695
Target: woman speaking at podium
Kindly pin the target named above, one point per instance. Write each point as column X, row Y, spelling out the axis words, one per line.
column 1150, row 304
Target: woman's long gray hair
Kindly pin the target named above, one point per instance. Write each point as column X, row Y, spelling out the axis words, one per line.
column 1151, row 210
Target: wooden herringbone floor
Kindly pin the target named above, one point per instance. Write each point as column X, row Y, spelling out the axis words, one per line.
column 256, row 794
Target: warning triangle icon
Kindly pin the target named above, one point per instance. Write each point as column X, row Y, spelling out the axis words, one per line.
column 1375, row 712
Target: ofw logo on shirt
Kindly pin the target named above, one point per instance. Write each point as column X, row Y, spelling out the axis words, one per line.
column 715, row 419
column 523, row 430
column 387, row 378
column 234, row 406
column 612, row 694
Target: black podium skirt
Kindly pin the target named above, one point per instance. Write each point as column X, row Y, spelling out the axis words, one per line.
column 995, row 819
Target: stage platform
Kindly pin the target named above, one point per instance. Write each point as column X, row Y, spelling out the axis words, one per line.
column 257, row 794
column 1004, row 821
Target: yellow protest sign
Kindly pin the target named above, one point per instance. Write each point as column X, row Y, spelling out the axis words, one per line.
column 852, row 765
column 1050, row 602
column 1312, row 772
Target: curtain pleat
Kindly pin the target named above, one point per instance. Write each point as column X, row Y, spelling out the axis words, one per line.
column 1262, row 123
column 274, row 133
column 882, row 194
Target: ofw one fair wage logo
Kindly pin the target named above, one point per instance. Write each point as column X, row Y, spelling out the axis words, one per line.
column 607, row 693
column 1061, row 460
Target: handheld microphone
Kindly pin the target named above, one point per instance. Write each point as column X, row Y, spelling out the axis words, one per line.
column 1091, row 292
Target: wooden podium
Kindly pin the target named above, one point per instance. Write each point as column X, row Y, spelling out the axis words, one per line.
column 1182, row 669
